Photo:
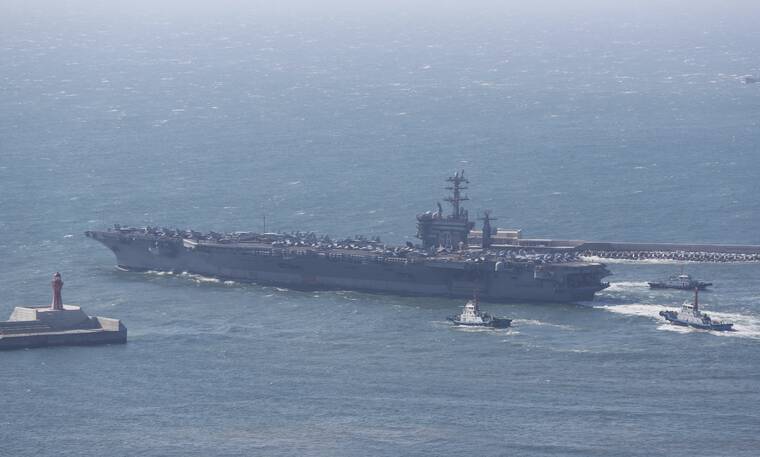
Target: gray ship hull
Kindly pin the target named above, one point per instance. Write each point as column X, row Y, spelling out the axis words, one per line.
column 301, row 268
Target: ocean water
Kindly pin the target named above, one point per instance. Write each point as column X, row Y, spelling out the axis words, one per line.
column 617, row 125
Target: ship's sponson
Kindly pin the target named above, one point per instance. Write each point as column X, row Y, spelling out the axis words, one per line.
column 308, row 261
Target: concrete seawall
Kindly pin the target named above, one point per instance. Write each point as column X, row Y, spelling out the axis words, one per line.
column 58, row 325
column 67, row 338
column 31, row 327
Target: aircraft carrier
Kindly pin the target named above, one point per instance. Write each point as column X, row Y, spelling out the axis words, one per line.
column 452, row 259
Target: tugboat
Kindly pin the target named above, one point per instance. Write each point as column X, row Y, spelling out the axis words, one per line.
column 472, row 317
column 690, row 316
column 682, row 281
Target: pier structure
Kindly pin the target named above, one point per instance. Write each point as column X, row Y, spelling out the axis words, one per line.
column 58, row 325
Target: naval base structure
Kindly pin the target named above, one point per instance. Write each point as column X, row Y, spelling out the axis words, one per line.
column 445, row 264
column 58, row 325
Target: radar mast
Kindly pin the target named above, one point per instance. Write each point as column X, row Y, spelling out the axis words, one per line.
column 437, row 230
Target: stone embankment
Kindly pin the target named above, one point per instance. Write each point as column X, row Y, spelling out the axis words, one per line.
column 684, row 256
column 678, row 252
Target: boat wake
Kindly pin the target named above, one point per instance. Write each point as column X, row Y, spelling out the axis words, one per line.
column 196, row 278
column 154, row 272
column 467, row 328
column 744, row 326
column 642, row 310
column 626, row 286
column 199, row 279
column 540, row 323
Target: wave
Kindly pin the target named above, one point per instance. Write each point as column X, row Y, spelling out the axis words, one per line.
column 745, row 326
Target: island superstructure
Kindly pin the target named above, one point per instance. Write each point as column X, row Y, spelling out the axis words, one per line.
column 447, row 263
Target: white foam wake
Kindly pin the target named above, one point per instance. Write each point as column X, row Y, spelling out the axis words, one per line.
column 466, row 328
column 200, row 278
column 191, row 276
column 158, row 273
column 626, row 285
column 540, row 323
column 745, row 326
column 642, row 310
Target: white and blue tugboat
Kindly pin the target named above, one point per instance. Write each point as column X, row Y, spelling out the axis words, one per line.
column 472, row 317
column 682, row 281
column 690, row 316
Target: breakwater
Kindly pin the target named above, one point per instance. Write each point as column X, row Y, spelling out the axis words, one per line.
column 671, row 251
column 687, row 252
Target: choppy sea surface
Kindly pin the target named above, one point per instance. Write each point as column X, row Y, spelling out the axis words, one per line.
column 613, row 127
